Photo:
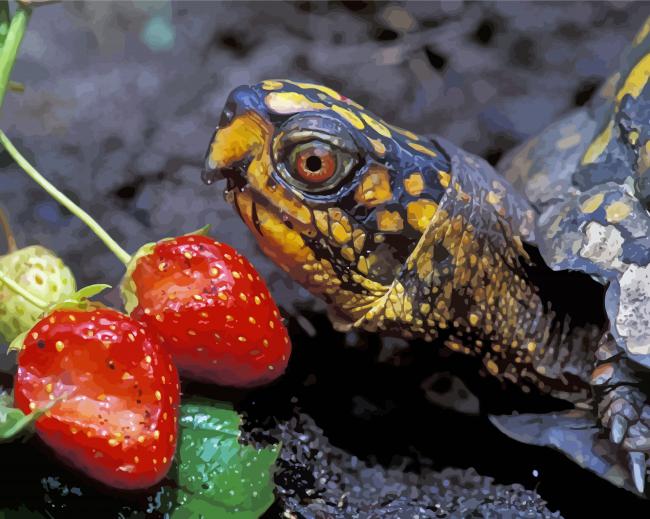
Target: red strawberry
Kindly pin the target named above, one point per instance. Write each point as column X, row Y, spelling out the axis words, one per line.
column 211, row 309
column 118, row 391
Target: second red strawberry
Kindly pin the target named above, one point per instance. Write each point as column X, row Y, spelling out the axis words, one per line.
column 211, row 309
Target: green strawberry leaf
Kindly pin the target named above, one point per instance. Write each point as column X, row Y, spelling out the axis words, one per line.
column 90, row 291
column 216, row 475
column 203, row 231
column 14, row 423
column 17, row 343
column 127, row 285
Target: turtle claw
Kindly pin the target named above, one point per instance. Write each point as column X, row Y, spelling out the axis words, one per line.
column 637, row 461
column 618, row 429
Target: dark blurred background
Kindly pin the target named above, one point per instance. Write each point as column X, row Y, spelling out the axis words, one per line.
column 121, row 99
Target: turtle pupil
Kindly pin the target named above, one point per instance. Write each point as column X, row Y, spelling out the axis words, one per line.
column 313, row 163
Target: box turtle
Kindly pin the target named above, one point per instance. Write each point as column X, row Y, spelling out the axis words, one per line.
column 542, row 270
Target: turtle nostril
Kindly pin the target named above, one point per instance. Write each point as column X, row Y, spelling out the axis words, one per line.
column 227, row 115
column 210, row 176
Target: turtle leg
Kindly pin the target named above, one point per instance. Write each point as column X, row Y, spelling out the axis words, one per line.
column 623, row 407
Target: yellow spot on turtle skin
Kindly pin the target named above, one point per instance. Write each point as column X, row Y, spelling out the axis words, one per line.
column 492, row 367
column 339, row 225
column 405, row 133
column 636, row 80
column 598, row 145
column 493, row 198
column 358, row 239
column 376, row 125
column 389, row 221
column 592, row 203
column 422, row 149
column 340, row 234
column 420, row 212
column 270, row 84
column 374, row 188
column 378, row 146
column 362, row 265
column 59, row 346
column 290, row 103
column 445, row 178
column 349, row 116
column 617, row 211
column 568, row 142
column 414, row 184
column 633, row 137
column 321, row 221
column 347, row 253
column 312, row 86
column 473, row 319
column 531, row 346
column 642, row 34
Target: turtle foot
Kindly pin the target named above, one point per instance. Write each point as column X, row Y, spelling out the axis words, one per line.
column 625, row 414
column 575, row 433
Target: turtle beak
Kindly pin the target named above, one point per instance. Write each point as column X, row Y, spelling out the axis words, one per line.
column 233, row 172
column 243, row 128
column 211, row 173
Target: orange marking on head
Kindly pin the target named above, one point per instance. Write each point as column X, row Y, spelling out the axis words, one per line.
column 414, row 184
column 389, row 221
column 245, row 135
column 420, row 212
column 290, row 103
column 374, row 188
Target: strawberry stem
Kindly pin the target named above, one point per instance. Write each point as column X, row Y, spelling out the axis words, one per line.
column 121, row 254
column 11, row 45
column 15, row 287
column 6, row 228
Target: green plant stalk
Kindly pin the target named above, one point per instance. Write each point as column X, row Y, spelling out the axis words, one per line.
column 6, row 228
column 15, row 287
column 114, row 247
column 10, row 48
column 5, row 18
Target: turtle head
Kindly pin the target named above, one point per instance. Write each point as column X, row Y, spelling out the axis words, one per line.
column 334, row 195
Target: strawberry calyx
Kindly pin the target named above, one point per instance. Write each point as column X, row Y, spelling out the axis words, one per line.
column 127, row 286
column 14, row 424
column 80, row 300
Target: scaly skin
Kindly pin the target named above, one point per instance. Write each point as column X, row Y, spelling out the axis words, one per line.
column 418, row 239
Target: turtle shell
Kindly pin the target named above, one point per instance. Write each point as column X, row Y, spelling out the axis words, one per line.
column 588, row 176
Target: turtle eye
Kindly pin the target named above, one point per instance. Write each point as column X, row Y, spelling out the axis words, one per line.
column 317, row 165
column 313, row 162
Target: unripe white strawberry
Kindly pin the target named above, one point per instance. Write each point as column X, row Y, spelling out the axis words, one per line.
column 40, row 272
